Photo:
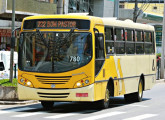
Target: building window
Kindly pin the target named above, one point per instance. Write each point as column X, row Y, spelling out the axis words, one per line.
column 121, row 6
column 155, row 7
column 55, row 1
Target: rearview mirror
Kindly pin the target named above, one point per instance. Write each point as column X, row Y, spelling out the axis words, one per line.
column 101, row 42
column 21, row 40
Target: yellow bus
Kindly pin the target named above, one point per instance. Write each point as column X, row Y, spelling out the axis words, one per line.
column 84, row 58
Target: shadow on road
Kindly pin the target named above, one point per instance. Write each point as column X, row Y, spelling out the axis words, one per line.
column 77, row 107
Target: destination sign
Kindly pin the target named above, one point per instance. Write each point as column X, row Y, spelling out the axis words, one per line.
column 57, row 24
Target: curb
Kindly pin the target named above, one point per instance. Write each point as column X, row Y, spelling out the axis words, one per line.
column 160, row 81
column 18, row 102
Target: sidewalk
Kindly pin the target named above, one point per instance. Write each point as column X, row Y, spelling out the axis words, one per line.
column 18, row 102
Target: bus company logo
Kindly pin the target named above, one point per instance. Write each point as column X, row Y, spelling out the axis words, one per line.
column 53, row 85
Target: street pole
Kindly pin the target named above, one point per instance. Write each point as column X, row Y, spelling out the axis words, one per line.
column 116, row 11
column 12, row 41
column 163, row 45
column 60, row 7
column 66, row 3
column 135, row 11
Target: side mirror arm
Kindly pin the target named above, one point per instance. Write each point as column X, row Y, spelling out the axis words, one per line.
column 13, row 38
column 96, row 30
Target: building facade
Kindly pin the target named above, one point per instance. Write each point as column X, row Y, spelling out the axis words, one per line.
column 100, row 8
column 23, row 8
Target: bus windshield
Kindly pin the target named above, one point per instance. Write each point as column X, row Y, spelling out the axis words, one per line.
column 54, row 52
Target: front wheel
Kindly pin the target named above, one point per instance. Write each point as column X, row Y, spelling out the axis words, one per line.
column 104, row 104
column 47, row 105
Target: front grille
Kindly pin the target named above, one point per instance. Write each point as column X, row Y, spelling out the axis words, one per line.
column 53, row 79
column 53, row 95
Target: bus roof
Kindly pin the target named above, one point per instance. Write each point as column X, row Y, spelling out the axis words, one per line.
column 126, row 24
column 59, row 16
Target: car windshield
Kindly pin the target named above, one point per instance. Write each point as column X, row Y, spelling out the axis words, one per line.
column 54, row 52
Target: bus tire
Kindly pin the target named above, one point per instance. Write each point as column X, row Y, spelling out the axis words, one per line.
column 137, row 96
column 47, row 105
column 104, row 104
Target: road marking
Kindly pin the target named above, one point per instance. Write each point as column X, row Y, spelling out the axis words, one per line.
column 69, row 114
column 4, row 112
column 95, row 117
column 141, row 117
column 15, row 110
column 138, row 105
column 28, row 114
column 61, row 115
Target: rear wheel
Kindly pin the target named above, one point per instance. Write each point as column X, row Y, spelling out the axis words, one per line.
column 135, row 97
column 47, row 105
column 139, row 94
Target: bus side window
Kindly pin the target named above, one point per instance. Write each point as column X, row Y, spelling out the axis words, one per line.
column 119, row 43
column 99, row 52
column 139, row 42
column 153, row 42
column 130, row 44
column 109, row 40
column 99, row 46
column 148, row 42
column 108, row 33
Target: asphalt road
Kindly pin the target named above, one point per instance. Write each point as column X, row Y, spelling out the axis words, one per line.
column 151, row 108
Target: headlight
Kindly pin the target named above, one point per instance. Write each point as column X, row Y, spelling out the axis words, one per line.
column 25, row 82
column 78, row 84
column 82, row 83
column 28, row 83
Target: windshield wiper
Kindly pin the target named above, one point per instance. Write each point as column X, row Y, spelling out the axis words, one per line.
column 65, row 40
column 69, row 34
column 42, row 38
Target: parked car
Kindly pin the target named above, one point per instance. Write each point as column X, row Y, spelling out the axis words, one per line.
column 5, row 64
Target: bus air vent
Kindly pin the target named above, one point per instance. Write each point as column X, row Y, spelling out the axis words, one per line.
column 53, row 79
column 53, row 95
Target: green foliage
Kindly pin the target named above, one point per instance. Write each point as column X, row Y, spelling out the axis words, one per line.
column 158, row 54
column 7, row 83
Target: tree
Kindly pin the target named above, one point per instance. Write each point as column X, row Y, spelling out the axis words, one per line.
column 139, row 11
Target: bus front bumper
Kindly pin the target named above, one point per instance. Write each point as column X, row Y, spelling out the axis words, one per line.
column 77, row 94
